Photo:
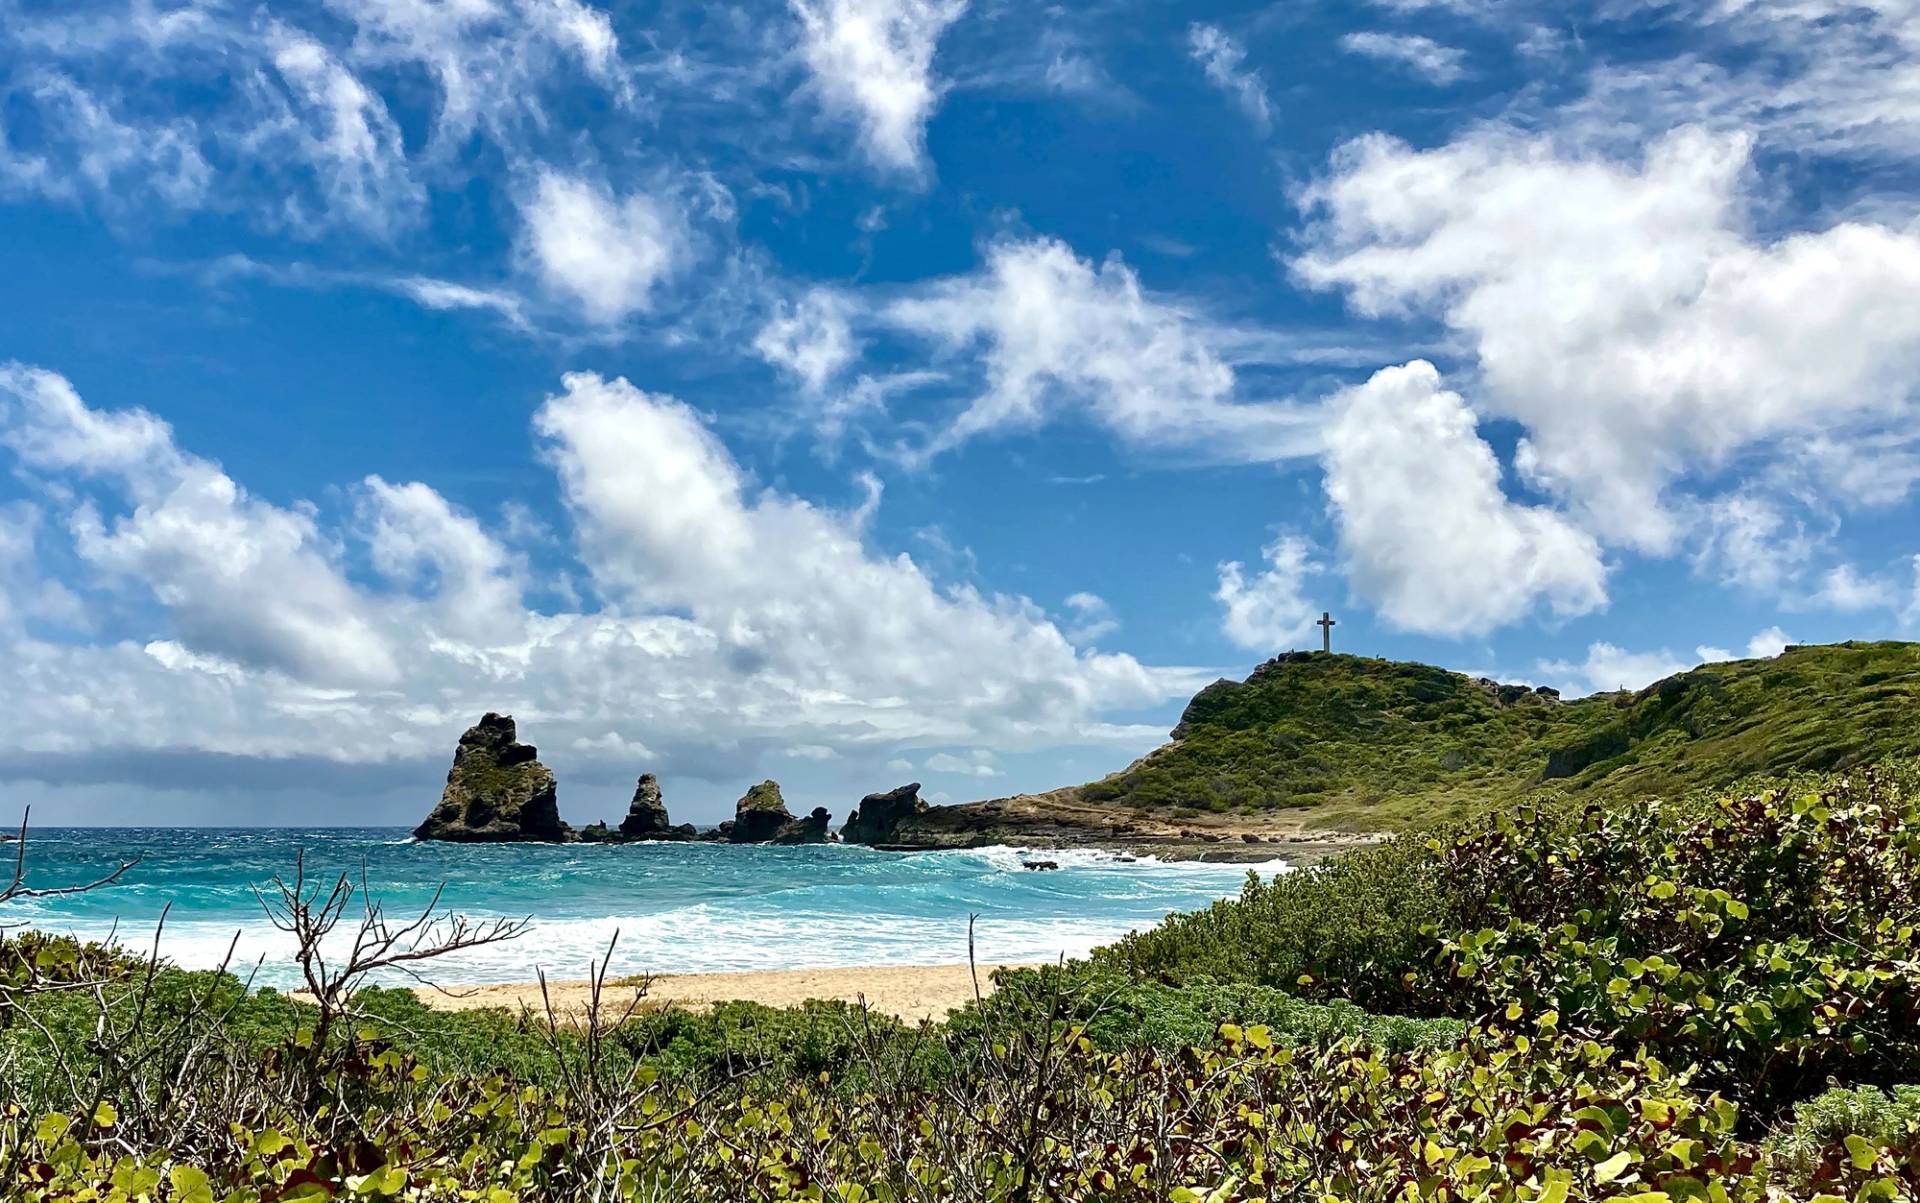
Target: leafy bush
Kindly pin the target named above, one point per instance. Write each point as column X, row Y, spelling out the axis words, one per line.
column 1771, row 939
column 1117, row 1012
column 1358, row 919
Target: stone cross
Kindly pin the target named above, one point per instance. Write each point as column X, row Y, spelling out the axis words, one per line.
column 1326, row 625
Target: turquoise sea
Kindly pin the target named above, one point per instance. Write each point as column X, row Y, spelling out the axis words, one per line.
column 678, row 908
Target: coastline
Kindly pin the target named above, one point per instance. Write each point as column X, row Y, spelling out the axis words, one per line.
column 907, row 992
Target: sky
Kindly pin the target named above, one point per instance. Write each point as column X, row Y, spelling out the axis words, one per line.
column 860, row 391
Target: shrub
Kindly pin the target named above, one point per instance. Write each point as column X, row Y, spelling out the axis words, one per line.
column 1357, row 920
column 1117, row 1013
column 1772, row 939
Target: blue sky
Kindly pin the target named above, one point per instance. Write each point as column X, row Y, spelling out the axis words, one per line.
column 857, row 391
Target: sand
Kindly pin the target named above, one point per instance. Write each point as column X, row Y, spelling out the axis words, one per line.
column 911, row 992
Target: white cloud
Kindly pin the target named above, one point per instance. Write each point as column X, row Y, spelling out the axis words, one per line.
column 339, row 125
column 1221, row 58
column 605, row 252
column 419, row 541
column 1763, row 646
column 738, row 622
column 1093, row 619
column 1843, row 588
column 1629, row 370
column 88, row 151
column 811, row 339
column 488, row 58
column 1609, row 668
column 1768, row 644
column 872, row 60
column 243, row 579
column 221, row 107
column 1751, row 543
column 445, row 294
column 1270, row 611
column 668, row 520
column 1427, row 534
column 1833, row 77
column 1054, row 330
column 977, row 764
column 1422, row 56
column 27, row 593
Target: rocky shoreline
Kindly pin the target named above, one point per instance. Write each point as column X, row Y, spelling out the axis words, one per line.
column 498, row 791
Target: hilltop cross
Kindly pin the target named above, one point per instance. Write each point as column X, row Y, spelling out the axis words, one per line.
column 1326, row 625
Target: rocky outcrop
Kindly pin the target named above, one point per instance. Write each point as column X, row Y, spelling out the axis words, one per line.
column 497, row 790
column 759, row 815
column 810, row 830
column 646, row 819
column 878, row 817
column 647, row 815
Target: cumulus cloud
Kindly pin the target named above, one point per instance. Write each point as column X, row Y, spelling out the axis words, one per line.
column 1844, row 588
column 1627, row 370
column 243, row 579
column 872, row 61
column 1269, row 611
column 1222, row 59
column 1609, row 668
column 605, row 252
column 1417, row 55
column 975, row 764
column 1427, row 533
column 738, row 622
column 1056, row 331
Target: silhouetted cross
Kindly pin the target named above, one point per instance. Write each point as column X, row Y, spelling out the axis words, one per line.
column 1326, row 625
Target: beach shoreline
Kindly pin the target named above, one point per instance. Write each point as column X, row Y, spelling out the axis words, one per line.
column 908, row 992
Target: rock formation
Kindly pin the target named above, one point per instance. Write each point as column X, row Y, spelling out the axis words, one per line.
column 496, row 790
column 759, row 815
column 646, row 819
column 878, row 817
column 647, row 815
column 810, row 830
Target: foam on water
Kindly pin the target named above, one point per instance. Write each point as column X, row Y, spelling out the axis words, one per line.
column 676, row 908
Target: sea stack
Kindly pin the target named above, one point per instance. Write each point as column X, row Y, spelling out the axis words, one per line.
column 759, row 815
column 647, row 815
column 810, row 830
column 497, row 790
column 878, row 817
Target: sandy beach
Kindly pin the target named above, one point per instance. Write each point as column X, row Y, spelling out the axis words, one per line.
column 911, row 992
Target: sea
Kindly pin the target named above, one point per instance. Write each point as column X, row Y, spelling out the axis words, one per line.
column 659, row 907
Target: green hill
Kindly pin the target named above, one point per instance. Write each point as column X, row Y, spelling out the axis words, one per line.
column 1360, row 743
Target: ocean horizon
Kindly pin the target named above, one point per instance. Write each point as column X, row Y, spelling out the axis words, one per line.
column 674, row 907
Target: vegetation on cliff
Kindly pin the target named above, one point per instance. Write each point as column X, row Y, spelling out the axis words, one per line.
column 1349, row 741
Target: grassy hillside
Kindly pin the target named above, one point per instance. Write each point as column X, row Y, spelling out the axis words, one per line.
column 1368, row 743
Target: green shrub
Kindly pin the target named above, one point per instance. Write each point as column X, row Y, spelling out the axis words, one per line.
column 1772, row 939
column 1118, row 1013
column 1357, row 919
